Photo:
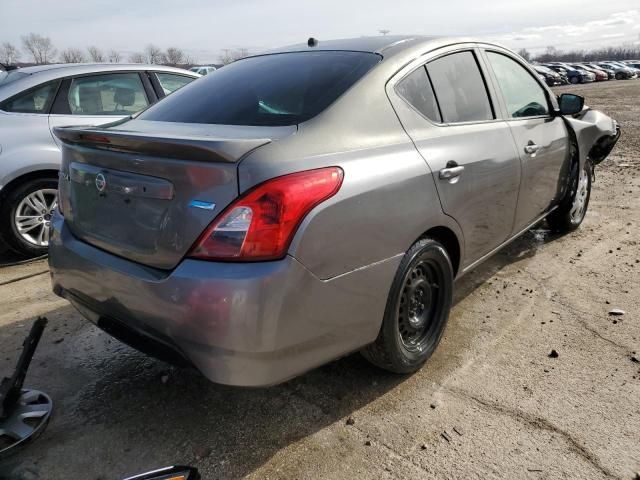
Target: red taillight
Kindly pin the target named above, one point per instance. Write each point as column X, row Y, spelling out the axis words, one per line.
column 260, row 224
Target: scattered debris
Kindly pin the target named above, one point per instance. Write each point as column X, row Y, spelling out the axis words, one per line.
column 446, row 436
column 534, row 470
column 635, row 359
column 58, row 340
column 24, row 413
column 433, row 406
column 456, row 430
column 553, row 354
column 423, row 446
column 164, row 378
column 203, row 452
column 368, row 443
column 616, row 311
column 350, row 421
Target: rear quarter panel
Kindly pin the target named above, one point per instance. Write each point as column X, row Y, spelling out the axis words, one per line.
column 386, row 202
column 26, row 145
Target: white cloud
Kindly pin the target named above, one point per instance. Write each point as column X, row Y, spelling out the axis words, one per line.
column 204, row 27
column 611, row 29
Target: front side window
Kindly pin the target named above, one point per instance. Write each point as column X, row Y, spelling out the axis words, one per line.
column 270, row 90
column 460, row 88
column 110, row 94
column 170, row 82
column 36, row 100
column 523, row 95
column 416, row 89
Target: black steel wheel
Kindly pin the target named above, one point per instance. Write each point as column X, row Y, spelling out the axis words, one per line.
column 417, row 309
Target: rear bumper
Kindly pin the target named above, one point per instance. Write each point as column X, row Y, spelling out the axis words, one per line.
column 244, row 324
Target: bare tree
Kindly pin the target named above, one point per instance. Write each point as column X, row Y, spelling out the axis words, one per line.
column 384, row 31
column 524, row 53
column 39, row 47
column 231, row 55
column 175, row 56
column 95, row 54
column 114, row 56
column 72, row 55
column 9, row 53
column 154, row 54
column 137, row 57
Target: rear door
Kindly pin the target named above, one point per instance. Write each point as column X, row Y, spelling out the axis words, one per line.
column 445, row 106
column 541, row 138
column 97, row 99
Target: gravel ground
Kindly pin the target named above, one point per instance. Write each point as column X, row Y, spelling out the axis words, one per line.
column 491, row 403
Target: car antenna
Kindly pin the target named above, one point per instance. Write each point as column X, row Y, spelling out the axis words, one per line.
column 312, row 42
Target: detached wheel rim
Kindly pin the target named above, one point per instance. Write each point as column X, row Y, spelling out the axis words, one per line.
column 418, row 308
column 580, row 199
column 32, row 219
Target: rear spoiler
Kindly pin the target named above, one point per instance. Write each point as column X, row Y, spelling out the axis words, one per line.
column 202, row 149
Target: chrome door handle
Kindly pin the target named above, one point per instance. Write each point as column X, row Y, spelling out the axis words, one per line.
column 451, row 172
column 531, row 148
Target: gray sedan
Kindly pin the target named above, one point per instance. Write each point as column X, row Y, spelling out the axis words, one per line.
column 318, row 200
column 33, row 101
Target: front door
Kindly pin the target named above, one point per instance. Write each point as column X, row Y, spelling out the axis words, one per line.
column 541, row 139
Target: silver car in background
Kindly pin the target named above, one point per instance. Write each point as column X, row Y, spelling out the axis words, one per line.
column 315, row 201
column 33, row 101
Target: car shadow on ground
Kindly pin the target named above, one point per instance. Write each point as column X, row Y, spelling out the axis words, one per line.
column 149, row 414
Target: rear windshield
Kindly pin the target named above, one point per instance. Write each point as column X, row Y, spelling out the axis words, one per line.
column 271, row 90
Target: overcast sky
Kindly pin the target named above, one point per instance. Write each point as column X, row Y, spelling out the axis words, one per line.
column 203, row 28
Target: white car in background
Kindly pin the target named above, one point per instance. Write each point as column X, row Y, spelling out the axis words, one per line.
column 203, row 70
column 33, row 101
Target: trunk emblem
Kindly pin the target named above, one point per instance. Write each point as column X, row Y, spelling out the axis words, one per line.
column 101, row 182
column 202, row 205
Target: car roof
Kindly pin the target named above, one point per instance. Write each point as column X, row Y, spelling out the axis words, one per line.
column 386, row 45
column 38, row 74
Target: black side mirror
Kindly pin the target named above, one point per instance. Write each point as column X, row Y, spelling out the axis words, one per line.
column 169, row 473
column 570, row 104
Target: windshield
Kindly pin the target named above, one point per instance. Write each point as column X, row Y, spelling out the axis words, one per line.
column 10, row 76
column 271, row 90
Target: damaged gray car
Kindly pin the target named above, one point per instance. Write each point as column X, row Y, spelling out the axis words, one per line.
column 299, row 205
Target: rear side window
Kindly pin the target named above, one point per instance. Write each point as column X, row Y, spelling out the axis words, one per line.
column 460, row 88
column 170, row 82
column 416, row 89
column 522, row 93
column 110, row 94
column 36, row 100
column 271, row 90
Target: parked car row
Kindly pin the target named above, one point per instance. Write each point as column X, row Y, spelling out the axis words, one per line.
column 562, row 73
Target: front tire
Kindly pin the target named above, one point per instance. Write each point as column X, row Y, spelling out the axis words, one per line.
column 417, row 310
column 574, row 80
column 572, row 210
column 25, row 216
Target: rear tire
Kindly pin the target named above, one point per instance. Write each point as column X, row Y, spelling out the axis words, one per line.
column 417, row 310
column 29, row 234
column 573, row 208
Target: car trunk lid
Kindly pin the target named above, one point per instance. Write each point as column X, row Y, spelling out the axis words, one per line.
column 146, row 190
